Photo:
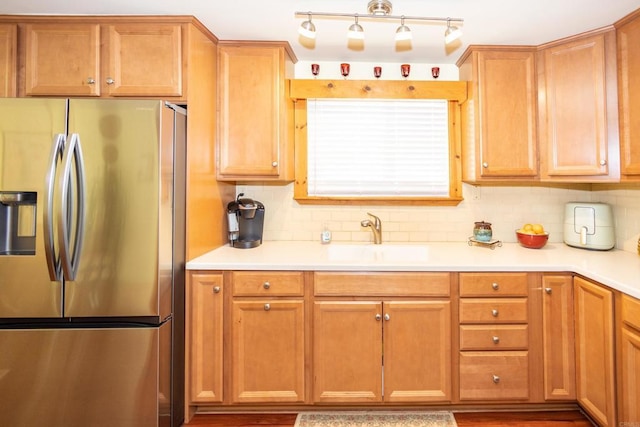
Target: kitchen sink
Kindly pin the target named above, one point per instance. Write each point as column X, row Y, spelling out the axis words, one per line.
column 377, row 253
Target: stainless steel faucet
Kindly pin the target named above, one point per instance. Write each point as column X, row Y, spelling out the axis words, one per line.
column 376, row 227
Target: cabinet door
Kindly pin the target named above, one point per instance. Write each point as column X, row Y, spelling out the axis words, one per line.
column 575, row 119
column 629, row 360
column 204, row 352
column 629, row 92
column 268, row 351
column 417, row 351
column 347, row 353
column 594, row 348
column 255, row 115
column 8, row 61
column 508, row 145
column 62, row 59
column 558, row 338
column 143, row 60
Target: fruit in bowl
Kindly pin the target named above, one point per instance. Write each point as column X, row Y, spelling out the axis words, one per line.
column 532, row 236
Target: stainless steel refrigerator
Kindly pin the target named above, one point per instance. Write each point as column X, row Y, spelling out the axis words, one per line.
column 92, row 219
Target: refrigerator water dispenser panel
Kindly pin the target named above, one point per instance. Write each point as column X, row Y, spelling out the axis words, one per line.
column 18, row 223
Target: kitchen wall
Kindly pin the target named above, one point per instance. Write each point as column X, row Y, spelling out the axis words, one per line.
column 506, row 207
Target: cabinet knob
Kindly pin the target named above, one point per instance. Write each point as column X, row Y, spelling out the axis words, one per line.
column 496, row 340
column 274, row 164
column 91, row 81
column 496, row 379
column 387, row 317
column 494, row 312
column 267, row 307
column 216, row 289
column 495, row 286
column 603, row 162
column 378, row 317
column 110, row 81
column 485, row 165
column 548, row 290
column 266, row 285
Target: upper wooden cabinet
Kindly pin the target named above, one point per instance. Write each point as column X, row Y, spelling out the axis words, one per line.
column 578, row 121
column 118, row 59
column 628, row 37
column 256, row 114
column 8, row 59
column 499, row 140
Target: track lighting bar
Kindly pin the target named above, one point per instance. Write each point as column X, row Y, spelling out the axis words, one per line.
column 367, row 17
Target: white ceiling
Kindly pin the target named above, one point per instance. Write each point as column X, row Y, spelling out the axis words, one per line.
column 485, row 22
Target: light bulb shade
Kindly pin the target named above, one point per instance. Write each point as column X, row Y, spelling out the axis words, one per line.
column 403, row 33
column 451, row 34
column 307, row 29
column 356, row 32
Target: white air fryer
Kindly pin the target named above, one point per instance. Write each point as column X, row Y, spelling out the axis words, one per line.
column 589, row 226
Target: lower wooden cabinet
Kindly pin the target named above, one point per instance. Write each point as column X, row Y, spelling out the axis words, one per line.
column 594, row 351
column 357, row 344
column 494, row 375
column 204, row 337
column 628, row 361
column 558, row 341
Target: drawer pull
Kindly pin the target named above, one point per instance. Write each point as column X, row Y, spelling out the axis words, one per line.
column 494, row 312
column 495, row 286
column 216, row 289
column 496, row 379
column 548, row 290
column 496, row 340
column 266, row 285
column 267, row 307
column 378, row 317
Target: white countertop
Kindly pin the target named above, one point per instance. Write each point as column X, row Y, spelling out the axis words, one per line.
column 617, row 269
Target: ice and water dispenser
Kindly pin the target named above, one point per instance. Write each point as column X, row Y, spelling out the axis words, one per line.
column 18, row 222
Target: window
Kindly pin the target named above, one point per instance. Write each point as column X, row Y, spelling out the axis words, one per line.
column 377, row 148
column 377, row 142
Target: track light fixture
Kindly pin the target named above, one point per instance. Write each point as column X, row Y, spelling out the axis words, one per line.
column 452, row 33
column 307, row 29
column 403, row 32
column 356, row 31
column 379, row 9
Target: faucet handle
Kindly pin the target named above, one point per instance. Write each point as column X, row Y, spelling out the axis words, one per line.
column 377, row 220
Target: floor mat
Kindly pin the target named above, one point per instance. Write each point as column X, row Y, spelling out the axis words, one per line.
column 376, row 419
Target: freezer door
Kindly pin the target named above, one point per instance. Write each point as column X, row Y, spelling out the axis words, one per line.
column 28, row 129
column 126, row 259
column 85, row 377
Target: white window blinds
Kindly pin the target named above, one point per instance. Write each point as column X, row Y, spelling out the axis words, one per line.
column 377, row 148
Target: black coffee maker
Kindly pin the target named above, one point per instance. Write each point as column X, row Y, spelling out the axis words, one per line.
column 246, row 220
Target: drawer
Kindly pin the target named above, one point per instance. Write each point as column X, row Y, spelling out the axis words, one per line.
column 272, row 283
column 493, row 284
column 381, row 284
column 631, row 311
column 494, row 337
column 494, row 375
column 493, row 310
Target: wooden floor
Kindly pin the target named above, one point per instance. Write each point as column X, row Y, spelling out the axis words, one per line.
column 463, row 419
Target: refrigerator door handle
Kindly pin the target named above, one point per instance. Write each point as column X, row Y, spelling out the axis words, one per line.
column 53, row 260
column 70, row 261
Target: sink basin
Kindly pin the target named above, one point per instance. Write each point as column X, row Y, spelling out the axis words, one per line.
column 378, row 253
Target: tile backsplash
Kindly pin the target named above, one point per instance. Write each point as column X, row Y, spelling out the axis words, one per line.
column 506, row 207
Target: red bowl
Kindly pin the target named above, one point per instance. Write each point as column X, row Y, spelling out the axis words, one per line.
column 532, row 241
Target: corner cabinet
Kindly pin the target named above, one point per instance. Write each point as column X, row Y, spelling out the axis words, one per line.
column 628, row 329
column 595, row 375
column 628, row 37
column 8, row 59
column 578, row 109
column 256, row 114
column 499, row 131
column 65, row 58
column 386, row 338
